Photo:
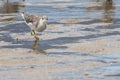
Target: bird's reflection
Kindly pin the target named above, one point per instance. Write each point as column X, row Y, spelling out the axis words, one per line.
column 107, row 8
column 11, row 7
column 35, row 48
column 7, row 8
column 108, row 11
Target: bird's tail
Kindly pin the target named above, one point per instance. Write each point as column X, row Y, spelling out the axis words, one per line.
column 23, row 16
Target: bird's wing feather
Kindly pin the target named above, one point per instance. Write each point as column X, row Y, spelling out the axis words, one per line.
column 30, row 18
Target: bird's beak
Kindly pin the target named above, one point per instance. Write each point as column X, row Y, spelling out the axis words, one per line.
column 46, row 18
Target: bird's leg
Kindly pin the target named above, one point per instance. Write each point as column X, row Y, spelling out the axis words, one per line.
column 35, row 36
column 32, row 33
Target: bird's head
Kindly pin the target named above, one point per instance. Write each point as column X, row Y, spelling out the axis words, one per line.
column 44, row 18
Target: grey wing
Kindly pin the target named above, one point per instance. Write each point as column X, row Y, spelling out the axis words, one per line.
column 28, row 18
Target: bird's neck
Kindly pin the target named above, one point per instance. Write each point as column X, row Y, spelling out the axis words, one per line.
column 41, row 23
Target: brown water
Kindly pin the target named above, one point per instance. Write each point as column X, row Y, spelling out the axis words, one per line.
column 57, row 10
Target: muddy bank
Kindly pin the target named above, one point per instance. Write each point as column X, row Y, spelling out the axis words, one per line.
column 66, row 51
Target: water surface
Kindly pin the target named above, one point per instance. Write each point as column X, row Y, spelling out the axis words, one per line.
column 81, row 41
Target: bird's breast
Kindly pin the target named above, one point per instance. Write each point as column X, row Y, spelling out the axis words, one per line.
column 41, row 28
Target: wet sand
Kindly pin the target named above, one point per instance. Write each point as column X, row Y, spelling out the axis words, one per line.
column 73, row 47
column 66, row 52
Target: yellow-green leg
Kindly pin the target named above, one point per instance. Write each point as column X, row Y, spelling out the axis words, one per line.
column 34, row 35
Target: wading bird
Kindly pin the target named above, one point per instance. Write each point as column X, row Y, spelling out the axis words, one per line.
column 36, row 23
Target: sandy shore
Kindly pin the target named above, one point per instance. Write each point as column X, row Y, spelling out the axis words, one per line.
column 81, row 50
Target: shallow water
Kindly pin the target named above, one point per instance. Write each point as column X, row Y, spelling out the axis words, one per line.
column 57, row 10
column 72, row 24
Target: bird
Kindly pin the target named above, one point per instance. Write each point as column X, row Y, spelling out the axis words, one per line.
column 36, row 23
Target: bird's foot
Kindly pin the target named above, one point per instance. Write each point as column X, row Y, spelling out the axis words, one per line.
column 36, row 38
